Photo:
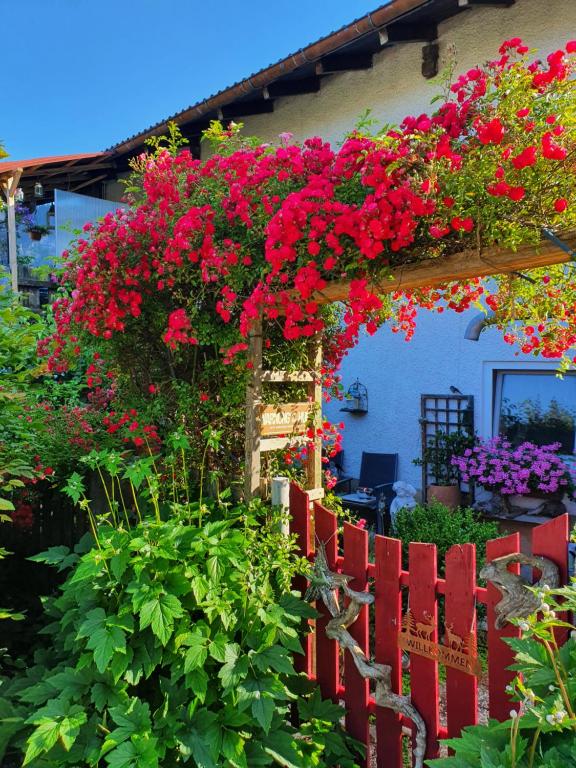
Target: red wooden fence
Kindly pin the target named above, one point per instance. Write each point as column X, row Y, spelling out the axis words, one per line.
column 460, row 595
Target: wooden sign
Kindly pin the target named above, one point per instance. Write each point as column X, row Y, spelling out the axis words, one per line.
column 285, row 419
column 458, row 652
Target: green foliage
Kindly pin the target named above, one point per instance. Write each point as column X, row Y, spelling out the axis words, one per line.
column 438, row 453
column 172, row 643
column 437, row 524
column 543, row 732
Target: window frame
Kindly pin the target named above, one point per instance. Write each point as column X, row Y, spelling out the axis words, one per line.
column 492, row 391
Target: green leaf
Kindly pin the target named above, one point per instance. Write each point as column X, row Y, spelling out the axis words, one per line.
column 196, row 654
column 6, row 505
column 42, row 740
column 235, row 668
column 159, row 613
column 233, row 749
column 263, row 709
column 217, row 647
column 197, row 682
column 276, row 658
column 282, row 747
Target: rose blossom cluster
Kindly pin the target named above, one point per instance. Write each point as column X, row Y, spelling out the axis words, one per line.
column 527, row 468
column 211, row 246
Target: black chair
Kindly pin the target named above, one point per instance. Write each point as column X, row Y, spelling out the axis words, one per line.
column 378, row 473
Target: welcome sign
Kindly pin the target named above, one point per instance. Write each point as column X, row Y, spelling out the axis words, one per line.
column 458, row 652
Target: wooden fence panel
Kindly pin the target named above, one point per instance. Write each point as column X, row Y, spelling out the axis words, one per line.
column 357, row 691
column 461, row 595
column 460, row 621
column 327, row 651
column 388, row 608
column 424, row 609
column 500, row 655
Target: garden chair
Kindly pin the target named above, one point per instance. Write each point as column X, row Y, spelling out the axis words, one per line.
column 373, row 492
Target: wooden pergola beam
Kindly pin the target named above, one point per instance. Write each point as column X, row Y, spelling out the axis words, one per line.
column 461, row 266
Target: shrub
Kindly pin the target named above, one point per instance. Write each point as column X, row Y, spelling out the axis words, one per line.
column 542, row 734
column 171, row 642
column 437, row 524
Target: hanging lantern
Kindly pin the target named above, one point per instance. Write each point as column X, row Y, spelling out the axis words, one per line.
column 19, row 195
column 356, row 399
column 38, row 189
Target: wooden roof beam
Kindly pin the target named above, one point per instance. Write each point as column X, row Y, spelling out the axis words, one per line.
column 89, row 182
column 409, row 32
column 292, row 87
column 480, row 3
column 461, row 266
column 70, row 168
column 343, row 63
column 245, row 108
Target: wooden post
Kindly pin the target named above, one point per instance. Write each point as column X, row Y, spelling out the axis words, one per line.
column 281, row 498
column 9, row 185
column 253, row 402
column 314, row 463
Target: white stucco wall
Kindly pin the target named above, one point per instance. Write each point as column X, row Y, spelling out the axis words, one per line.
column 395, row 372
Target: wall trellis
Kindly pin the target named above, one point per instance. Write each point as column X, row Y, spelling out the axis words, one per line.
column 443, row 413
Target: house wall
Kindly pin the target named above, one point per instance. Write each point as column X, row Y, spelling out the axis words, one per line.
column 396, row 373
column 394, row 87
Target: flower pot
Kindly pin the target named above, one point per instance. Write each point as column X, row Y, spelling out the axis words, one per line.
column 449, row 495
column 35, row 235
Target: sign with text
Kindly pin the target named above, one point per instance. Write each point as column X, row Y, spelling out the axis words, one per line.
column 285, row 419
column 457, row 652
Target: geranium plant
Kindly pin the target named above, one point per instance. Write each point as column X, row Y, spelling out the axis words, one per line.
column 509, row 470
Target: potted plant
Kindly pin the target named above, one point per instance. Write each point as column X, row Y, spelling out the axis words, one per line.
column 37, row 232
column 527, row 477
column 437, row 457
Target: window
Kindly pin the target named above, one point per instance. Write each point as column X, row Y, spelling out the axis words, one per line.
column 536, row 406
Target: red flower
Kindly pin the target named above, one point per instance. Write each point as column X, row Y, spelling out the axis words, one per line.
column 525, row 158
column 490, row 133
column 560, row 205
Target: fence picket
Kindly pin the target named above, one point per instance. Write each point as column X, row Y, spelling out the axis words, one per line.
column 327, row 651
column 500, row 655
column 424, row 608
column 550, row 540
column 460, row 619
column 388, row 606
column 300, row 525
column 356, row 694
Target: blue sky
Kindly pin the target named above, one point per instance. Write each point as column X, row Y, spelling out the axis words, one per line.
column 86, row 74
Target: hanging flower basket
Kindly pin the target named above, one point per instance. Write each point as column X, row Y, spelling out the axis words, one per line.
column 37, row 233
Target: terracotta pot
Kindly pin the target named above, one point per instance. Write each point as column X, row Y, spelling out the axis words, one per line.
column 449, row 495
column 35, row 235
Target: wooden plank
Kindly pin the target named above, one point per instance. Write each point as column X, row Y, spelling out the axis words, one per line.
column 327, row 651
column 315, row 494
column 300, row 525
column 551, row 540
column 284, row 419
column 424, row 608
column 278, row 443
column 356, row 694
column 500, row 655
column 253, row 398
column 314, row 461
column 287, row 376
column 388, row 594
column 460, row 619
column 458, row 267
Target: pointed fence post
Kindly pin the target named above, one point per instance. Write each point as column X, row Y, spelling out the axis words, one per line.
column 253, row 402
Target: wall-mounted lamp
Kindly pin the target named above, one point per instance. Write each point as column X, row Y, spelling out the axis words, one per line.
column 356, row 399
column 51, row 216
column 38, row 189
column 477, row 325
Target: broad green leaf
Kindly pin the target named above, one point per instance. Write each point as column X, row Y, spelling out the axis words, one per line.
column 159, row 613
column 42, row 740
